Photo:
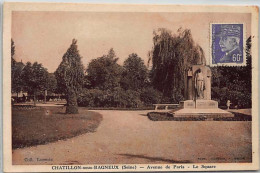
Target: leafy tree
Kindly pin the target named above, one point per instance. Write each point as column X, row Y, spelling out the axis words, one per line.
column 172, row 55
column 135, row 74
column 12, row 52
column 35, row 77
column 13, row 68
column 104, row 73
column 52, row 83
column 150, row 96
column 17, row 83
column 70, row 75
column 248, row 68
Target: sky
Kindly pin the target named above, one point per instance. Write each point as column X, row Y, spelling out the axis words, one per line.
column 45, row 36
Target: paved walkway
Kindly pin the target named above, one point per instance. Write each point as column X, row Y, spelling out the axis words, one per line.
column 130, row 137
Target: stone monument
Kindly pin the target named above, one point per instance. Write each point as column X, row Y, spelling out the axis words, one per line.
column 197, row 94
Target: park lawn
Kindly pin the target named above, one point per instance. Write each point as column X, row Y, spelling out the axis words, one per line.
column 42, row 125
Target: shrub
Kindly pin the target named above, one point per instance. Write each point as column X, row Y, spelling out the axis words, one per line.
column 91, row 98
column 132, row 98
column 238, row 99
column 116, row 98
column 150, row 96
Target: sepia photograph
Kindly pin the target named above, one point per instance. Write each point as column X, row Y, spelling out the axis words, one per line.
column 131, row 88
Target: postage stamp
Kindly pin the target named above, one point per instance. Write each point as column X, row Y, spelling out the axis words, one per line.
column 129, row 88
column 227, row 44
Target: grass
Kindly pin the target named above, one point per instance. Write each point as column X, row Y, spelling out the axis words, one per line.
column 41, row 125
column 164, row 116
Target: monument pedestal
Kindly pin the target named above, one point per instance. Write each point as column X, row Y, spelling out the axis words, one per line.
column 197, row 94
column 200, row 108
column 199, row 104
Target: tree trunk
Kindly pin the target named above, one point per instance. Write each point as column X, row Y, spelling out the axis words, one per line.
column 45, row 93
column 34, row 98
column 72, row 104
column 17, row 97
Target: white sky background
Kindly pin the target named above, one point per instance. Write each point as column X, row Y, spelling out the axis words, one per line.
column 45, row 36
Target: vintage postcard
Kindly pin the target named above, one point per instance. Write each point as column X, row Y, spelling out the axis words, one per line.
column 113, row 88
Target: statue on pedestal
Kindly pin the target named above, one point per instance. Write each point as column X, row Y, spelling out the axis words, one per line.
column 198, row 103
column 199, row 85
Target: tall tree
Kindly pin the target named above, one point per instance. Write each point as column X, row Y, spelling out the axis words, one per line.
column 135, row 74
column 12, row 52
column 35, row 77
column 17, row 83
column 104, row 73
column 13, row 67
column 70, row 75
column 52, row 83
column 172, row 55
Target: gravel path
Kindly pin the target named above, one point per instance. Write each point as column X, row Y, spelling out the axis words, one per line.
column 130, row 137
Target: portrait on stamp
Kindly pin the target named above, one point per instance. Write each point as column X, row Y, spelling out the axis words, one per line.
column 227, row 44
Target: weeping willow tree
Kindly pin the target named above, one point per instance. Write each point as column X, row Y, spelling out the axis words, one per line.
column 171, row 56
column 70, row 75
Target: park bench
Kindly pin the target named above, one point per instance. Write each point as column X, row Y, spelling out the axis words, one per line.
column 166, row 106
